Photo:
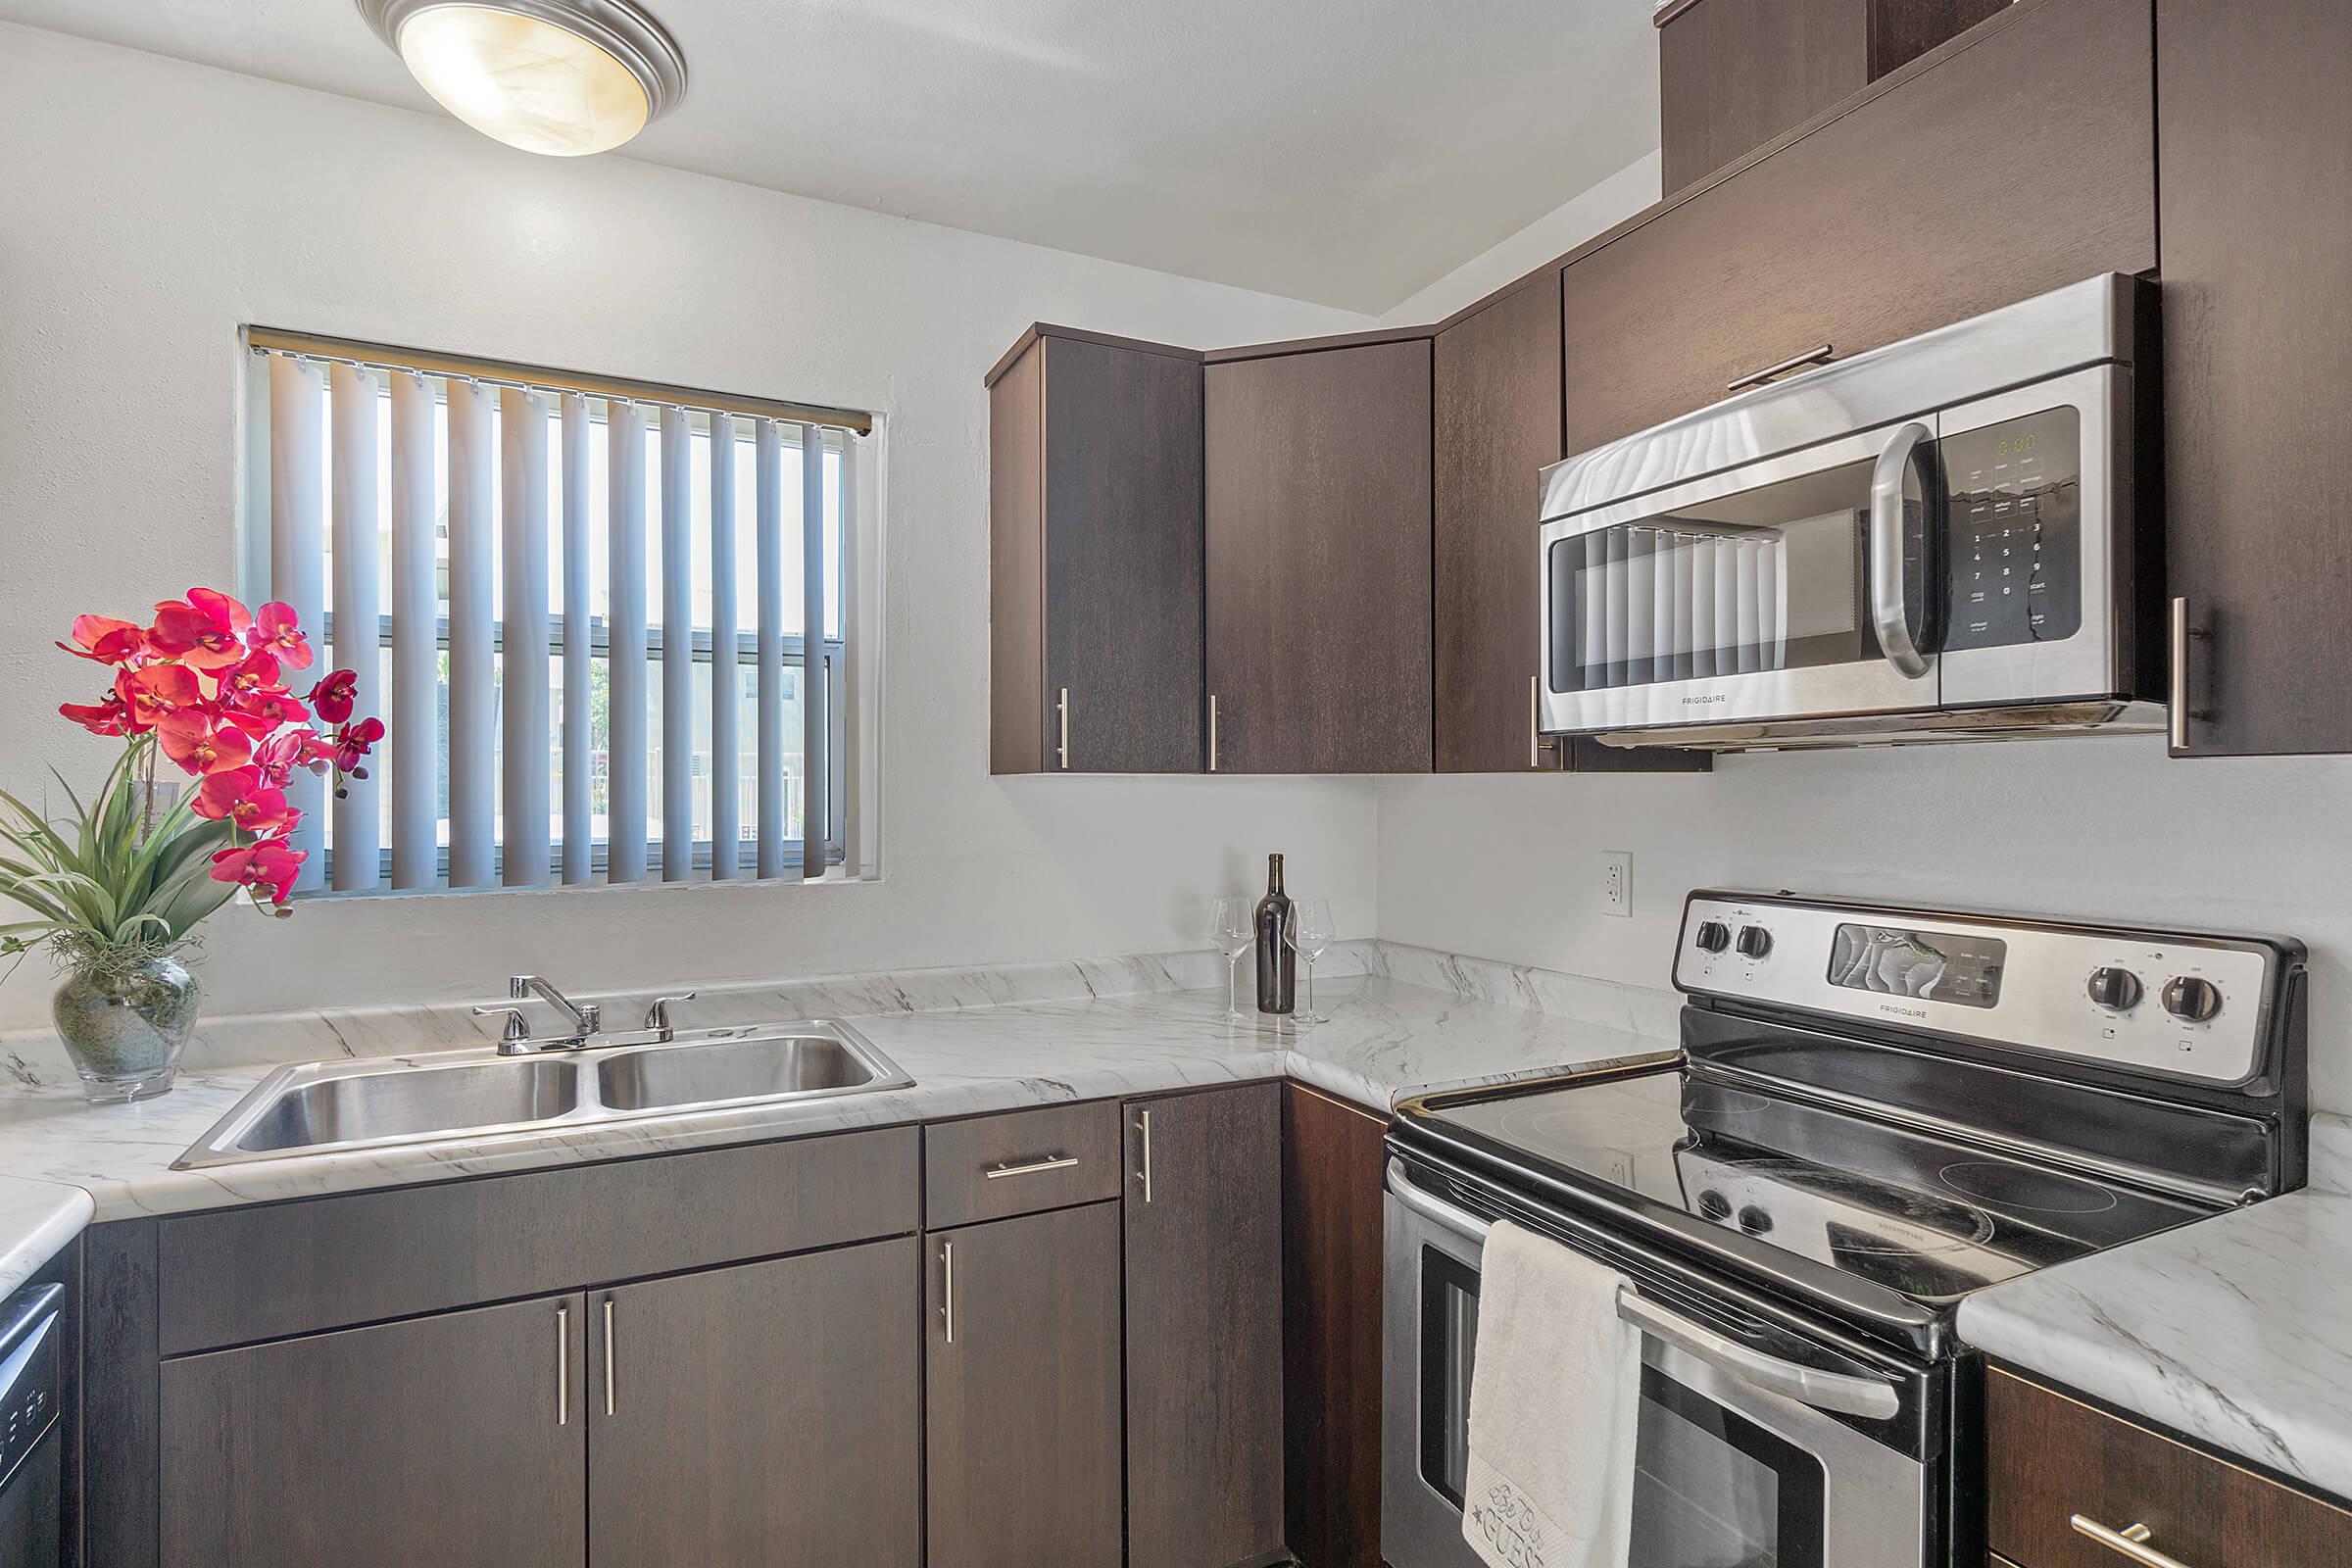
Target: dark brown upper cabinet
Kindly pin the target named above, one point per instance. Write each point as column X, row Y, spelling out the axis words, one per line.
column 1318, row 506
column 1497, row 406
column 2257, row 152
column 1733, row 74
column 1204, row 1362
column 2013, row 160
column 1094, row 557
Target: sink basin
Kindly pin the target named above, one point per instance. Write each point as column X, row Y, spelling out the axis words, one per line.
column 322, row 1107
column 753, row 1067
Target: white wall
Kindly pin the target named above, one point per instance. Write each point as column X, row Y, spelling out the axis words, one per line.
column 153, row 206
column 1555, row 234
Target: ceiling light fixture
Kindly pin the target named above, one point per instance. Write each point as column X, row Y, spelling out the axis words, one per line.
column 565, row 78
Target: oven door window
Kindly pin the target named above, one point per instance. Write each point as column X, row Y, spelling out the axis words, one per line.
column 1713, row 1489
column 1449, row 1338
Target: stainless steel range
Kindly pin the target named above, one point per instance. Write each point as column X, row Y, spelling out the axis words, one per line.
column 1875, row 1111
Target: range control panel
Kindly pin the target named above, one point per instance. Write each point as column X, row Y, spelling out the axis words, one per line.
column 2187, row 1006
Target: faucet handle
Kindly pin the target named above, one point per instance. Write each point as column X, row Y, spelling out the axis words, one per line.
column 657, row 1017
column 515, row 1031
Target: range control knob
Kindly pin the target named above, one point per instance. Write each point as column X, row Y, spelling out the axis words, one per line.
column 2189, row 997
column 1754, row 1220
column 2119, row 989
column 1713, row 936
column 1754, row 942
column 1714, row 1205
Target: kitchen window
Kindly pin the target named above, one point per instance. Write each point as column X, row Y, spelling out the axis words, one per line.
column 673, row 718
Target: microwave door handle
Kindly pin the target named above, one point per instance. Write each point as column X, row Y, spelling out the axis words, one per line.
column 1888, row 558
column 1435, row 1210
column 1841, row 1392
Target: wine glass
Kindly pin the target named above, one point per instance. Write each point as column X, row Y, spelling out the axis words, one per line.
column 1308, row 931
column 1233, row 926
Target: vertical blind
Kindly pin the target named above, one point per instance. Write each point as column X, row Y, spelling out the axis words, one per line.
column 609, row 634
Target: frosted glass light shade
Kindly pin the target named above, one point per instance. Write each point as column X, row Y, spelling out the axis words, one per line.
column 523, row 81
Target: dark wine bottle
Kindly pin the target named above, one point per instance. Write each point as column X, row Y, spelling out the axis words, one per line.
column 1277, row 962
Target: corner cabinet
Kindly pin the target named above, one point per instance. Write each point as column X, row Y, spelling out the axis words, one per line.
column 1318, row 523
column 1094, row 557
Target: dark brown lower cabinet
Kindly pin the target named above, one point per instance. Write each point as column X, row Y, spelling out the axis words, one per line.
column 1204, row 1329
column 457, row 1440
column 1021, row 1392
column 1332, row 1158
column 768, row 1414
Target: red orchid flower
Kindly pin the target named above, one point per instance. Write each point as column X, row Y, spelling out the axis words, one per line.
column 355, row 741
column 262, row 714
column 243, row 799
column 280, row 754
column 257, row 674
column 108, row 716
column 156, row 692
column 105, row 642
column 191, row 738
column 334, row 695
column 205, row 630
column 265, row 866
column 279, row 630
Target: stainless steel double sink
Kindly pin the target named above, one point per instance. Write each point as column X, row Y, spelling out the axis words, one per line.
column 325, row 1106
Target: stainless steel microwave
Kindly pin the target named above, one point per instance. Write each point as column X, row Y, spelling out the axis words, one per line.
column 1948, row 538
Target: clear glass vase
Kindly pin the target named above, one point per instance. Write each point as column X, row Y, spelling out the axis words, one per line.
column 125, row 1026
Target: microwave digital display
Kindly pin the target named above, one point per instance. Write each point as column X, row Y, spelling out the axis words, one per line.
column 1930, row 965
column 2013, row 519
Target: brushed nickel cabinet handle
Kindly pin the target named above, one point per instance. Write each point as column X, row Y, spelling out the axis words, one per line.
column 2131, row 1540
column 947, row 1287
column 1143, row 1126
column 1796, row 362
column 1535, row 722
column 1212, row 732
column 1063, row 709
column 1050, row 1163
column 611, row 1407
column 2178, row 713
column 563, row 1366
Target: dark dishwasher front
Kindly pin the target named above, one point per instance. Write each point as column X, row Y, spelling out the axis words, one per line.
column 31, row 1459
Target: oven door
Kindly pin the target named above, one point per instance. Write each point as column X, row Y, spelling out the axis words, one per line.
column 1734, row 1465
column 1804, row 586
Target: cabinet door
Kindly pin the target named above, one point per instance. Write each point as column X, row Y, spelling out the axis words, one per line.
column 1908, row 212
column 454, row 1439
column 1318, row 560
column 1735, row 74
column 2258, row 360
column 1205, row 1405
column 1021, row 1385
column 767, row 1413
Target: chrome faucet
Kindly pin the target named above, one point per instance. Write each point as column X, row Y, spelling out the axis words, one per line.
column 587, row 1018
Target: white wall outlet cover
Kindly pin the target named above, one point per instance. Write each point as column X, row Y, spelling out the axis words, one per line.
column 1617, row 882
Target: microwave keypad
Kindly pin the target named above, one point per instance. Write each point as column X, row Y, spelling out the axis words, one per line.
column 2014, row 508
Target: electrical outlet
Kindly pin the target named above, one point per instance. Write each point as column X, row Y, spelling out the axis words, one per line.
column 1617, row 882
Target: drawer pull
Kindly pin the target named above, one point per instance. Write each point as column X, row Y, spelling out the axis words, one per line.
column 1820, row 356
column 1050, row 1163
column 2131, row 1540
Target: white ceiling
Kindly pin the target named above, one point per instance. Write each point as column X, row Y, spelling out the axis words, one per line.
column 1341, row 151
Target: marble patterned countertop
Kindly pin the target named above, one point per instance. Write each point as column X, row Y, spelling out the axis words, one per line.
column 1385, row 1038
column 37, row 1219
column 2235, row 1329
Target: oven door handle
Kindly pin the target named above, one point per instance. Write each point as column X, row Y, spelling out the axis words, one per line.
column 1888, row 558
column 1841, row 1392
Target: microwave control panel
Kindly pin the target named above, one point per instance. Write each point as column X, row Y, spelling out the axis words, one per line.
column 2012, row 512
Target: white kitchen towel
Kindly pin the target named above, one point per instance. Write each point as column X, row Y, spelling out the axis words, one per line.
column 1554, row 1394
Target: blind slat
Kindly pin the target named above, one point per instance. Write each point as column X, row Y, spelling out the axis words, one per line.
column 578, row 835
column 522, row 526
column 726, row 768
column 473, row 624
column 815, row 721
column 677, row 644
column 297, row 565
column 768, row 446
column 357, row 537
column 625, row 832
column 412, row 745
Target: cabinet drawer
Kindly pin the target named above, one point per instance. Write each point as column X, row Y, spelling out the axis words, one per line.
column 1906, row 212
column 1020, row 1162
column 248, row 1274
column 2050, row 1457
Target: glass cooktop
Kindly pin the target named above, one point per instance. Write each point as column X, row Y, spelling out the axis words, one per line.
column 1929, row 1217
